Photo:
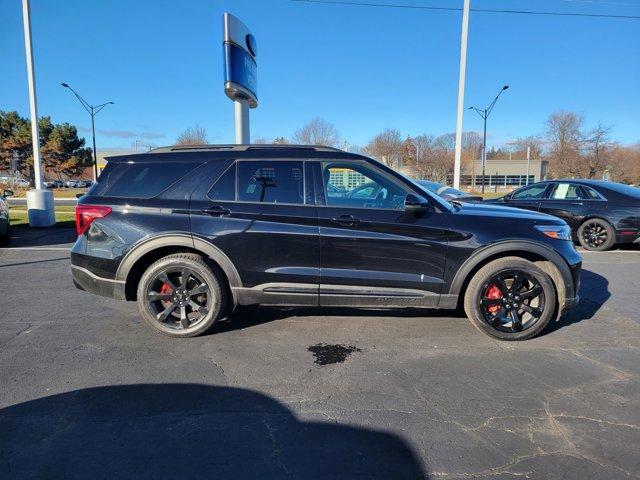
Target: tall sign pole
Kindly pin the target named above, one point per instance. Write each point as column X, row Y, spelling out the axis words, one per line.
column 240, row 72
column 39, row 201
column 461, row 80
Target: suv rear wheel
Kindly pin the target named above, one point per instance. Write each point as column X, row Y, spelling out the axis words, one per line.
column 510, row 299
column 180, row 295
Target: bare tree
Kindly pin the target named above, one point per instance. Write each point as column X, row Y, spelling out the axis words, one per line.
column 317, row 132
column 192, row 136
column 386, row 147
column 533, row 142
column 598, row 148
column 565, row 137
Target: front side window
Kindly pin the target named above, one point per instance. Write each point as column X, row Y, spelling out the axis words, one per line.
column 360, row 186
column 566, row 191
column 530, row 193
column 271, row 181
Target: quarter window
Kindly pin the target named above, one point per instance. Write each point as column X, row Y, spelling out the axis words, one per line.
column 271, row 182
column 146, row 180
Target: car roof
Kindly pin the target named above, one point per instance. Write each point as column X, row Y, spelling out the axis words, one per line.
column 257, row 151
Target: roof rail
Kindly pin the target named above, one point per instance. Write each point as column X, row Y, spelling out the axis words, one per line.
column 242, row 148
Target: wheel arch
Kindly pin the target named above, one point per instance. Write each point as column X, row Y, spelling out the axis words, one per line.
column 138, row 259
column 544, row 257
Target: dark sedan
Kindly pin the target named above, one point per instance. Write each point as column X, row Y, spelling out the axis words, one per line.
column 601, row 214
column 446, row 192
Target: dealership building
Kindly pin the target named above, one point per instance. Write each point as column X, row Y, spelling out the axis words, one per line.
column 503, row 174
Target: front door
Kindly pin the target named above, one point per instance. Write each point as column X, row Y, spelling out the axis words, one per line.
column 373, row 252
column 261, row 215
column 528, row 197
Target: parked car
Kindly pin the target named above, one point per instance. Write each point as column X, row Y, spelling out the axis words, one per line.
column 601, row 214
column 4, row 217
column 190, row 233
column 448, row 193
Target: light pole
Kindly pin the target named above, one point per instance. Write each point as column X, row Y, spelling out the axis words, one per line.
column 484, row 113
column 93, row 111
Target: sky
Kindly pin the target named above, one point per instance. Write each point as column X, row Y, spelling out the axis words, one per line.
column 361, row 68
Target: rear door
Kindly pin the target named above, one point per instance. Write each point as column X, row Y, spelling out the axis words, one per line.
column 373, row 252
column 261, row 214
column 568, row 201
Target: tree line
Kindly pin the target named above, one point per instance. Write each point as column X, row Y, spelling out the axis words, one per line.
column 572, row 150
column 62, row 152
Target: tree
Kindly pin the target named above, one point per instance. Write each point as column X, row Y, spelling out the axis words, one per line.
column 565, row 137
column 386, row 147
column 317, row 132
column 62, row 151
column 193, row 136
column 598, row 148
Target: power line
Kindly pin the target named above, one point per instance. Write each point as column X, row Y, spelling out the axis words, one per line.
column 457, row 9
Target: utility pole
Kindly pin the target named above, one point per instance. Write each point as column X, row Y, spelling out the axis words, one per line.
column 484, row 113
column 528, row 163
column 93, row 111
column 461, row 80
column 40, row 206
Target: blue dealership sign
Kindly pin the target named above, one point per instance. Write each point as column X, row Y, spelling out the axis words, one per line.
column 240, row 66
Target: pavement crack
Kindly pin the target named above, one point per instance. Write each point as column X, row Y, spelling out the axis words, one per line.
column 25, row 330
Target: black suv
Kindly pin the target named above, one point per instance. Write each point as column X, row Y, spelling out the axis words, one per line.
column 192, row 232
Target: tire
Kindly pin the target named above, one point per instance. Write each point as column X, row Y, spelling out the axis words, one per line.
column 596, row 235
column 491, row 312
column 165, row 299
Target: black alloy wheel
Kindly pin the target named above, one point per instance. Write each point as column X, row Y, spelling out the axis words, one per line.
column 596, row 235
column 511, row 298
column 512, row 301
column 180, row 295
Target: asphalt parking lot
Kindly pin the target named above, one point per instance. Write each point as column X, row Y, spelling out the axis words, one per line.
column 89, row 391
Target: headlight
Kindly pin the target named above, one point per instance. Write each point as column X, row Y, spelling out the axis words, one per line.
column 559, row 232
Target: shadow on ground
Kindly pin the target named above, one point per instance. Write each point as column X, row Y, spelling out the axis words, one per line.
column 25, row 236
column 188, row 431
column 594, row 292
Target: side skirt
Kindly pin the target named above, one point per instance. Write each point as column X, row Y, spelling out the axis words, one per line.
column 296, row 294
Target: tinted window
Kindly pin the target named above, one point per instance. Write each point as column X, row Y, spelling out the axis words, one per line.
column 225, row 187
column 534, row 191
column 271, row 181
column 146, row 180
column 591, row 193
column 566, row 191
column 360, row 186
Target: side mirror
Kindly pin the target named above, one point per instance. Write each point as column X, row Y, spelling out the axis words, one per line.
column 79, row 195
column 7, row 193
column 507, row 197
column 414, row 203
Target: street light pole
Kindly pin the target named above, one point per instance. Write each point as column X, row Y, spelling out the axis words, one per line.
column 457, row 161
column 484, row 113
column 93, row 111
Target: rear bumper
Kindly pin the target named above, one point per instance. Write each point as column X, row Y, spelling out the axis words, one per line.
column 88, row 281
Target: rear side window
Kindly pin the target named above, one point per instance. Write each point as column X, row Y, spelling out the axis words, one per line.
column 146, row 180
column 271, row 182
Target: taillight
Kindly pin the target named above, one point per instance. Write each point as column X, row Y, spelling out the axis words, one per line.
column 85, row 214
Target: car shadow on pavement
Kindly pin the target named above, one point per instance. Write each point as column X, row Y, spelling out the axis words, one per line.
column 25, row 236
column 251, row 316
column 594, row 292
column 189, row 431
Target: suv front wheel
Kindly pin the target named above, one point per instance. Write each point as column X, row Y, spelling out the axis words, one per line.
column 510, row 299
column 180, row 295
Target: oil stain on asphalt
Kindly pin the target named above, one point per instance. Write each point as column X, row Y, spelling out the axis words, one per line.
column 329, row 354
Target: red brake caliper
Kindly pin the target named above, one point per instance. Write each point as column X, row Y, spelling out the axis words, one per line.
column 493, row 293
column 166, row 290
